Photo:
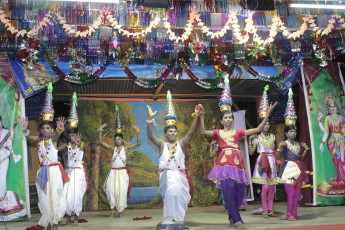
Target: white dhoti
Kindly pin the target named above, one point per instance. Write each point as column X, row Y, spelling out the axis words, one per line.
column 74, row 190
column 52, row 203
column 116, row 187
column 174, row 188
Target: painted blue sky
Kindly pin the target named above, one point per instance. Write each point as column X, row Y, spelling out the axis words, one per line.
column 139, row 111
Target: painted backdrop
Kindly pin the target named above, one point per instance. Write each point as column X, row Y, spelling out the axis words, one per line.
column 326, row 102
column 13, row 175
column 143, row 159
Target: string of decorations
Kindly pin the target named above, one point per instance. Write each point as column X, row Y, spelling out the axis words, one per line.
column 79, row 78
column 84, row 34
column 276, row 25
column 143, row 33
column 187, row 30
column 291, row 65
column 142, row 83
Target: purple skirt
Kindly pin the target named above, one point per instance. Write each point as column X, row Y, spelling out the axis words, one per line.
column 219, row 173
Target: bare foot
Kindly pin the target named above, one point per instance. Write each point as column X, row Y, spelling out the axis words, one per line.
column 240, row 226
column 231, row 222
column 75, row 223
column 291, row 219
column 112, row 213
column 265, row 215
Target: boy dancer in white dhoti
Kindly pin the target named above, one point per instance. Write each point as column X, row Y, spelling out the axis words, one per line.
column 117, row 185
column 173, row 183
column 51, row 176
column 75, row 189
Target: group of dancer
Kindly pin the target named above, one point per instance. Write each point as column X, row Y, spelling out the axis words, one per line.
column 292, row 173
column 60, row 192
column 229, row 173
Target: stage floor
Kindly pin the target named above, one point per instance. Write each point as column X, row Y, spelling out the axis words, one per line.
column 214, row 217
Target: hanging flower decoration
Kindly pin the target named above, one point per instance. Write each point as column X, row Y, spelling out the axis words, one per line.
column 177, row 71
column 321, row 49
column 114, row 46
column 220, row 68
column 256, row 51
column 82, row 34
column 28, row 52
column 79, row 78
column 218, row 34
column 196, row 48
column 193, row 15
column 153, row 24
column 29, row 33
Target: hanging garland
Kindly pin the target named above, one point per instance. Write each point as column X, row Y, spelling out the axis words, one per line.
column 206, row 85
column 79, row 79
column 291, row 65
column 142, row 83
column 153, row 24
column 276, row 25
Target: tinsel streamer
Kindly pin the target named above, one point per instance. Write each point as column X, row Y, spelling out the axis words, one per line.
column 79, row 79
column 206, row 85
column 291, row 65
column 142, row 83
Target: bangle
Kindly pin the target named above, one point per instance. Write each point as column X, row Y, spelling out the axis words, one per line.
column 151, row 121
column 318, row 120
column 195, row 114
column 322, row 142
column 27, row 133
column 60, row 130
column 100, row 130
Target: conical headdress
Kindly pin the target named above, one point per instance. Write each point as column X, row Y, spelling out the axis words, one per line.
column 118, row 121
column 225, row 101
column 170, row 118
column 73, row 114
column 264, row 103
column 48, row 110
column 290, row 113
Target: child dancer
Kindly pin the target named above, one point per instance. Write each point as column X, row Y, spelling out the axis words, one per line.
column 173, row 182
column 117, row 185
column 51, row 176
column 265, row 167
column 230, row 174
column 292, row 173
column 75, row 189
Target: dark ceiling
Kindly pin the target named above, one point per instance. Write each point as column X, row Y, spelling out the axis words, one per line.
column 242, row 90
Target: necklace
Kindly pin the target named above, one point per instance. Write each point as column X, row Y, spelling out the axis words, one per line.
column 295, row 147
column 171, row 158
column 44, row 153
column 117, row 154
column 72, row 153
column 267, row 141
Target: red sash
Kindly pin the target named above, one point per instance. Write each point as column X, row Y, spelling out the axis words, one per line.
column 191, row 187
column 265, row 165
column 299, row 180
column 64, row 175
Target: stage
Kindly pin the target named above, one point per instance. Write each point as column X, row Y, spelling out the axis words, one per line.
column 214, row 217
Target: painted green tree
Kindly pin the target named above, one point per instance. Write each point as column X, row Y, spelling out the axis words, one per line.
column 198, row 160
column 92, row 114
